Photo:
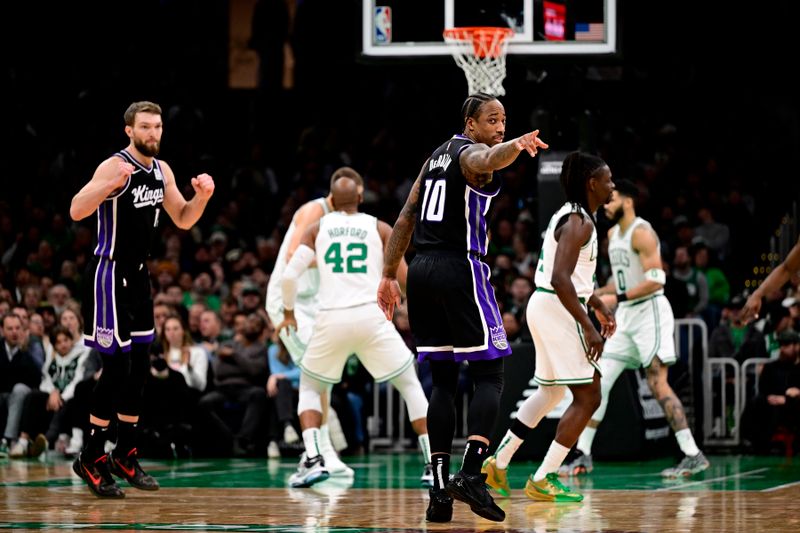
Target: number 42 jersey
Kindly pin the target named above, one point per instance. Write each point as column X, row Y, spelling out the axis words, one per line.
column 349, row 259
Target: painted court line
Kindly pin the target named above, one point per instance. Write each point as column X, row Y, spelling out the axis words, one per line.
column 712, row 480
column 779, row 487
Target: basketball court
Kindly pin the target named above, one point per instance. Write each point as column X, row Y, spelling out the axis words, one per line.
column 737, row 493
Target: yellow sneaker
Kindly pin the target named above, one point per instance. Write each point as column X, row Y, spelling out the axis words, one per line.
column 496, row 478
column 550, row 489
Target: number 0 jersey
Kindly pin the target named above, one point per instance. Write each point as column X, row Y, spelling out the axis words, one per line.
column 452, row 214
column 625, row 263
column 349, row 259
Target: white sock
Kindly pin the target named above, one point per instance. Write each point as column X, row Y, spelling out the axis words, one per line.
column 506, row 449
column 425, row 447
column 555, row 456
column 311, row 439
column 325, row 437
column 585, row 440
column 686, row 442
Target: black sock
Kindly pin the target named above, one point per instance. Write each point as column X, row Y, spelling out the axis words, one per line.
column 474, row 455
column 95, row 443
column 126, row 438
column 441, row 469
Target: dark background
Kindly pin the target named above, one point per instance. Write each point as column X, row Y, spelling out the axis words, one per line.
column 709, row 84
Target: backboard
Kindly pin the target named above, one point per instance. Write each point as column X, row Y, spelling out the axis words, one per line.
column 404, row 28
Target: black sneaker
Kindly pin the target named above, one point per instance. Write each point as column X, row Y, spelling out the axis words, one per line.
column 471, row 489
column 128, row 468
column 440, row 508
column 97, row 476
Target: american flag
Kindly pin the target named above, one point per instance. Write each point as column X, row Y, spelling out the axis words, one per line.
column 591, row 31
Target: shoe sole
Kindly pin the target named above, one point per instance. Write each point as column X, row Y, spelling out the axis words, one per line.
column 143, row 487
column 342, row 473
column 483, row 512
column 322, row 476
column 122, row 476
column 683, row 474
column 439, row 519
column 535, row 495
column 79, row 472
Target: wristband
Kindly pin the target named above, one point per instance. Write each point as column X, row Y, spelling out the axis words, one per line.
column 622, row 297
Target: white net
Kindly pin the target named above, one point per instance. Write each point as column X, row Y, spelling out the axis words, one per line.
column 481, row 54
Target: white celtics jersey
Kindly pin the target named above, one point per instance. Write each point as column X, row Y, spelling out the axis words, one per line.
column 349, row 260
column 626, row 267
column 583, row 275
column 308, row 284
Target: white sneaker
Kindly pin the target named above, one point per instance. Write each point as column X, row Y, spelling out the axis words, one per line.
column 273, row 452
column 74, row 448
column 309, row 472
column 336, row 466
column 333, row 463
column 19, row 449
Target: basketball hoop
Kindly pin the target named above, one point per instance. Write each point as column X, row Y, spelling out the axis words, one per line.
column 481, row 54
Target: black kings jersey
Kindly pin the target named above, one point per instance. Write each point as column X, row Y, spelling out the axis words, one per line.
column 452, row 214
column 128, row 219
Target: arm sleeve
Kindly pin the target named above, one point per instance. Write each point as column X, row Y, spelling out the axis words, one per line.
column 302, row 257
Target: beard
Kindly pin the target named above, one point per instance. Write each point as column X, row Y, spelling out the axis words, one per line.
column 615, row 216
column 150, row 150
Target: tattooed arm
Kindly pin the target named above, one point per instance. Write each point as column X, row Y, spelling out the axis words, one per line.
column 389, row 289
column 478, row 161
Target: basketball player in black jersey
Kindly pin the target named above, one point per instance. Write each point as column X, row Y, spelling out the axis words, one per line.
column 451, row 304
column 128, row 192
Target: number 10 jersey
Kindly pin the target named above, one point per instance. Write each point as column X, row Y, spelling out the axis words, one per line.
column 452, row 214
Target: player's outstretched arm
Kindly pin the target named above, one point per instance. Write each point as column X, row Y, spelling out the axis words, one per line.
column 110, row 176
column 185, row 214
column 776, row 279
column 482, row 159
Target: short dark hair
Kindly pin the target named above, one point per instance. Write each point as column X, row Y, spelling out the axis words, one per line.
column 472, row 105
column 62, row 331
column 140, row 107
column 626, row 188
column 9, row 315
column 347, row 172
